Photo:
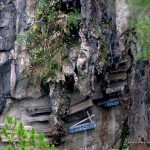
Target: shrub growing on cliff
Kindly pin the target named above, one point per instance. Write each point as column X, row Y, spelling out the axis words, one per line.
column 19, row 138
column 140, row 22
column 51, row 33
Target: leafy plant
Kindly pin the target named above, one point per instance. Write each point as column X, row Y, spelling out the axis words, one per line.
column 143, row 32
column 46, row 39
column 124, row 134
column 140, row 22
column 104, row 52
column 19, row 138
column 73, row 19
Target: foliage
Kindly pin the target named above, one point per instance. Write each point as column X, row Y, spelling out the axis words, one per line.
column 45, row 11
column 125, row 148
column 124, row 134
column 138, row 6
column 143, row 34
column 73, row 19
column 104, row 52
column 47, row 39
column 43, row 42
column 140, row 22
column 19, row 138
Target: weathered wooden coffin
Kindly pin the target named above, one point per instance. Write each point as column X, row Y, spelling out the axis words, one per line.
column 116, row 86
column 82, row 127
column 118, row 76
column 39, row 110
column 81, row 106
column 42, row 118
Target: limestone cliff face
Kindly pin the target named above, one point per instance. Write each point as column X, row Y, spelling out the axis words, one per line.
column 139, row 122
column 102, row 66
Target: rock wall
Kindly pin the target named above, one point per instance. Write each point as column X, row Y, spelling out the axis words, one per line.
column 139, row 122
column 100, row 68
column 13, row 57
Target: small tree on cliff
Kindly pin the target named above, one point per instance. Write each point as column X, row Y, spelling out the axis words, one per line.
column 19, row 138
column 140, row 22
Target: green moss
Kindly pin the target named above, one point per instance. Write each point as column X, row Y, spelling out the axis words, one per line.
column 104, row 52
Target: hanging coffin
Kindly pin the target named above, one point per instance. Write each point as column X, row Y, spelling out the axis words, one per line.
column 82, row 127
column 111, row 103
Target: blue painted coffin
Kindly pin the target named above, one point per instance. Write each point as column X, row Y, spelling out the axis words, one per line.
column 82, row 127
column 111, row 103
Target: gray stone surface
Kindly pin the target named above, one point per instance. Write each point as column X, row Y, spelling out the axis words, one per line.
column 13, row 19
column 7, row 25
column 5, row 70
column 139, row 117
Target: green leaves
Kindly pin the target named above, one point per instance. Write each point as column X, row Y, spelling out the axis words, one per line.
column 143, row 34
column 73, row 19
column 140, row 21
column 19, row 138
column 53, row 147
column 45, row 11
column 139, row 7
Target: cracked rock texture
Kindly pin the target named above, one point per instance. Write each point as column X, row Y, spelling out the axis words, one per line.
column 88, row 76
column 139, row 122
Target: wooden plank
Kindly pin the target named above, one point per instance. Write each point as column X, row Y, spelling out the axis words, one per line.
column 81, row 106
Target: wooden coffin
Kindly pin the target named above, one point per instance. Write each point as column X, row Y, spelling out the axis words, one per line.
column 82, row 127
column 116, row 86
column 39, row 110
column 118, row 76
column 42, row 118
column 81, row 106
column 109, row 103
